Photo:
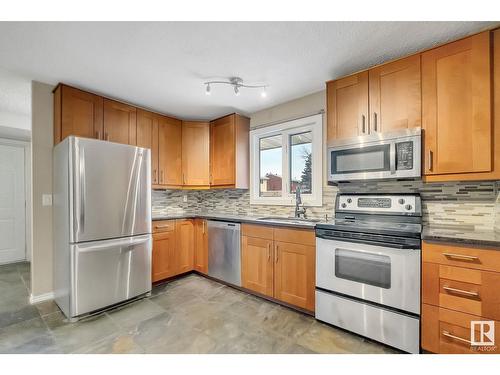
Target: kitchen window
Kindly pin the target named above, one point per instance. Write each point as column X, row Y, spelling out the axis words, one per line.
column 285, row 156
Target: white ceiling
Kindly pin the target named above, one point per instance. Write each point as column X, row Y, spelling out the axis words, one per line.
column 162, row 65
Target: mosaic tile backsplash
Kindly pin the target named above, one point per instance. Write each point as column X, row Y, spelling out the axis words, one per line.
column 468, row 204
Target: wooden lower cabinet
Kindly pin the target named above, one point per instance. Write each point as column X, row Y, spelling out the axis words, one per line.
column 467, row 290
column 459, row 286
column 295, row 274
column 449, row 332
column 184, row 232
column 257, row 269
column 173, row 248
column 200, row 246
column 279, row 263
column 163, row 260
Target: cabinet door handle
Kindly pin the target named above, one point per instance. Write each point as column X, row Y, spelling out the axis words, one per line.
column 183, row 179
column 162, row 226
column 461, row 291
column 276, row 256
column 363, row 127
column 161, row 177
column 457, row 338
column 154, row 175
column 268, row 252
column 106, row 136
column 98, row 135
column 469, row 258
column 429, row 160
column 374, row 121
column 203, row 227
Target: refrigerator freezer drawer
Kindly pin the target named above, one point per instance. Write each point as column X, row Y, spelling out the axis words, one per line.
column 389, row 327
column 109, row 272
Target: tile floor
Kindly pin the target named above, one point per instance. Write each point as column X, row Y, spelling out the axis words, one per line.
column 187, row 315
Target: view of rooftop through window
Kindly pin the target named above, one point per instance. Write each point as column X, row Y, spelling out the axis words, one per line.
column 271, row 164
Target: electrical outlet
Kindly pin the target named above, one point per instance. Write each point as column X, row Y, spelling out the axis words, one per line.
column 46, row 199
column 185, row 198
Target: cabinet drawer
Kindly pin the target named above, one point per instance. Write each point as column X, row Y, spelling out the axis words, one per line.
column 163, row 226
column 462, row 289
column 447, row 331
column 259, row 231
column 295, row 235
column 461, row 256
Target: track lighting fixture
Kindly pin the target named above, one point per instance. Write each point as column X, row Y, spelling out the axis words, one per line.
column 237, row 84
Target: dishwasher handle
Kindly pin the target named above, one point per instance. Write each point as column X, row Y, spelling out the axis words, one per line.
column 223, row 224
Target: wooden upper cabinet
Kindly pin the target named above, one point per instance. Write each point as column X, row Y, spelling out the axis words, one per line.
column 395, row 95
column 257, row 269
column 119, row 122
column 347, row 106
column 147, row 136
column 170, row 151
column 222, row 151
column 456, row 107
column 195, row 153
column 200, row 246
column 229, row 152
column 77, row 113
column 184, row 231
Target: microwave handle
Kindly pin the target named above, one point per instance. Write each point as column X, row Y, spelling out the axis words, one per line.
column 392, row 158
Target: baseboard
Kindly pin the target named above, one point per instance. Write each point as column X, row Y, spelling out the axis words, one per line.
column 41, row 298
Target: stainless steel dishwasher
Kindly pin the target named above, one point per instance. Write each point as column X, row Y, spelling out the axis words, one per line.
column 224, row 255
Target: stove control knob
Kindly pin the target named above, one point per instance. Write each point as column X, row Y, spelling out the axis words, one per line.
column 349, row 200
column 408, row 207
column 344, row 205
column 401, row 201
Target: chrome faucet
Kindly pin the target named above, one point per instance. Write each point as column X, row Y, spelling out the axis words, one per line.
column 298, row 201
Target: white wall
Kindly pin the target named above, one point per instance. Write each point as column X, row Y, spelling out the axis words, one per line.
column 42, row 143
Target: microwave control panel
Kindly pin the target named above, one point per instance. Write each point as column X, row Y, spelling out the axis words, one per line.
column 404, row 155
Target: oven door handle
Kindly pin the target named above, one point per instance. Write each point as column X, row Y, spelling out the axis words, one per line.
column 373, row 243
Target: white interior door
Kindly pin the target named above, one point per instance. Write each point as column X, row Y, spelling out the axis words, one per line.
column 12, row 206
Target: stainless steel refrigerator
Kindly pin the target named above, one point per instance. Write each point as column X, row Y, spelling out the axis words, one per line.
column 102, row 224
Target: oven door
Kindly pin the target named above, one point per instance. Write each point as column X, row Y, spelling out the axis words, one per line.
column 381, row 274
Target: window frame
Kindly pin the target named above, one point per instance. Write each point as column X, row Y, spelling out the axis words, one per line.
column 314, row 124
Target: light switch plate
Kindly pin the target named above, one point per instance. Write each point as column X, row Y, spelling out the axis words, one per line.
column 46, row 199
column 184, row 198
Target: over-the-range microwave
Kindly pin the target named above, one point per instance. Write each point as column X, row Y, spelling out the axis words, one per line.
column 392, row 155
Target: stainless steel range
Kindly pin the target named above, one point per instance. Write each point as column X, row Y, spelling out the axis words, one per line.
column 368, row 268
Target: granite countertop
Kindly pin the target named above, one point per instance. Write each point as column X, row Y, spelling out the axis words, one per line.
column 235, row 218
column 465, row 235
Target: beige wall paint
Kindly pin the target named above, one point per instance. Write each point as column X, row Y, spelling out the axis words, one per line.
column 294, row 108
column 307, row 105
column 42, row 143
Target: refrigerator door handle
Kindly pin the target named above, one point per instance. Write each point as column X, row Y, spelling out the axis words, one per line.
column 106, row 244
column 82, row 190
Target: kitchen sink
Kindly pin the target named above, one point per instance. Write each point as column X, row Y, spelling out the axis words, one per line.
column 293, row 220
